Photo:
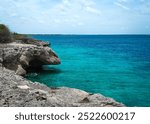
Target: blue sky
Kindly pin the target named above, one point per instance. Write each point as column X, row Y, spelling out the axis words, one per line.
column 76, row 16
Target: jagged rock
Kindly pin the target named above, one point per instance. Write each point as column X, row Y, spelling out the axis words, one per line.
column 17, row 91
column 20, row 70
column 1, row 57
column 19, row 57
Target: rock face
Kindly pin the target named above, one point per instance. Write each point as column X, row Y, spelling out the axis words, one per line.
column 19, row 57
column 19, row 92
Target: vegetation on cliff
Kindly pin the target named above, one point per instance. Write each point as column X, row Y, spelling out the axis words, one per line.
column 5, row 34
column 7, row 37
column 18, row 36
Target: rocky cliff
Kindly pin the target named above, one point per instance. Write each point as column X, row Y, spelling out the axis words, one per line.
column 19, row 57
column 15, row 59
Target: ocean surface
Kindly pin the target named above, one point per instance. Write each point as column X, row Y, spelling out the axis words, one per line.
column 116, row 66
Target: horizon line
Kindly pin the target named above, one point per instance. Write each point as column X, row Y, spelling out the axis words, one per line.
column 77, row 34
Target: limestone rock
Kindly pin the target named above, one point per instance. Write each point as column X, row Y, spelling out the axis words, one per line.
column 19, row 57
column 16, row 91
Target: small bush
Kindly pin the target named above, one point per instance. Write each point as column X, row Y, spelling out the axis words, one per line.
column 5, row 34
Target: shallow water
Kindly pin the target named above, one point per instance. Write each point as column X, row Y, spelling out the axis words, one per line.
column 117, row 66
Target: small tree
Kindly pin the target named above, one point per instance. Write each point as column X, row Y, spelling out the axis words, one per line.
column 5, row 34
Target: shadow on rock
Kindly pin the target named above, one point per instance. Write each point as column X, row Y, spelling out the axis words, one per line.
column 45, row 69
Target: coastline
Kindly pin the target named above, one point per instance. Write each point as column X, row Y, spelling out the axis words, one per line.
column 16, row 91
column 15, row 59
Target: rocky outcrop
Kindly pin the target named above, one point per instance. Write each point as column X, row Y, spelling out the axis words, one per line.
column 19, row 57
column 17, row 91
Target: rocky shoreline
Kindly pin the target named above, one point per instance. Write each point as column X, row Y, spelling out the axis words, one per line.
column 16, row 91
column 15, row 60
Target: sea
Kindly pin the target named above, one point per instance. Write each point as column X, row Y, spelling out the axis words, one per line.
column 116, row 66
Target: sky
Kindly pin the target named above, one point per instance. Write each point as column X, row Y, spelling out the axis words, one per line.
column 76, row 16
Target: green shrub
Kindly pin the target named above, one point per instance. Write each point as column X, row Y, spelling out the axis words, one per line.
column 5, row 34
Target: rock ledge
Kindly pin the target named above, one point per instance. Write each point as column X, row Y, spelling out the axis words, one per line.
column 19, row 57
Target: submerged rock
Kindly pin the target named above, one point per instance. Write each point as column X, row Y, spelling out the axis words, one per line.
column 20, row 92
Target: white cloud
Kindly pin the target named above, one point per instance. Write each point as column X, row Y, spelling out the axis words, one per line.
column 73, row 12
column 63, row 15
column 92, row 10
column 66, row 2
column 68, row 6
column 121, row 5
column 89, row 6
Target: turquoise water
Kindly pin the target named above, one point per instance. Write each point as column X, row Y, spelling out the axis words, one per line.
column 116, row 66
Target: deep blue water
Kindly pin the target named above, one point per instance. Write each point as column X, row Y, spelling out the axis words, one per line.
column 116, row 66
